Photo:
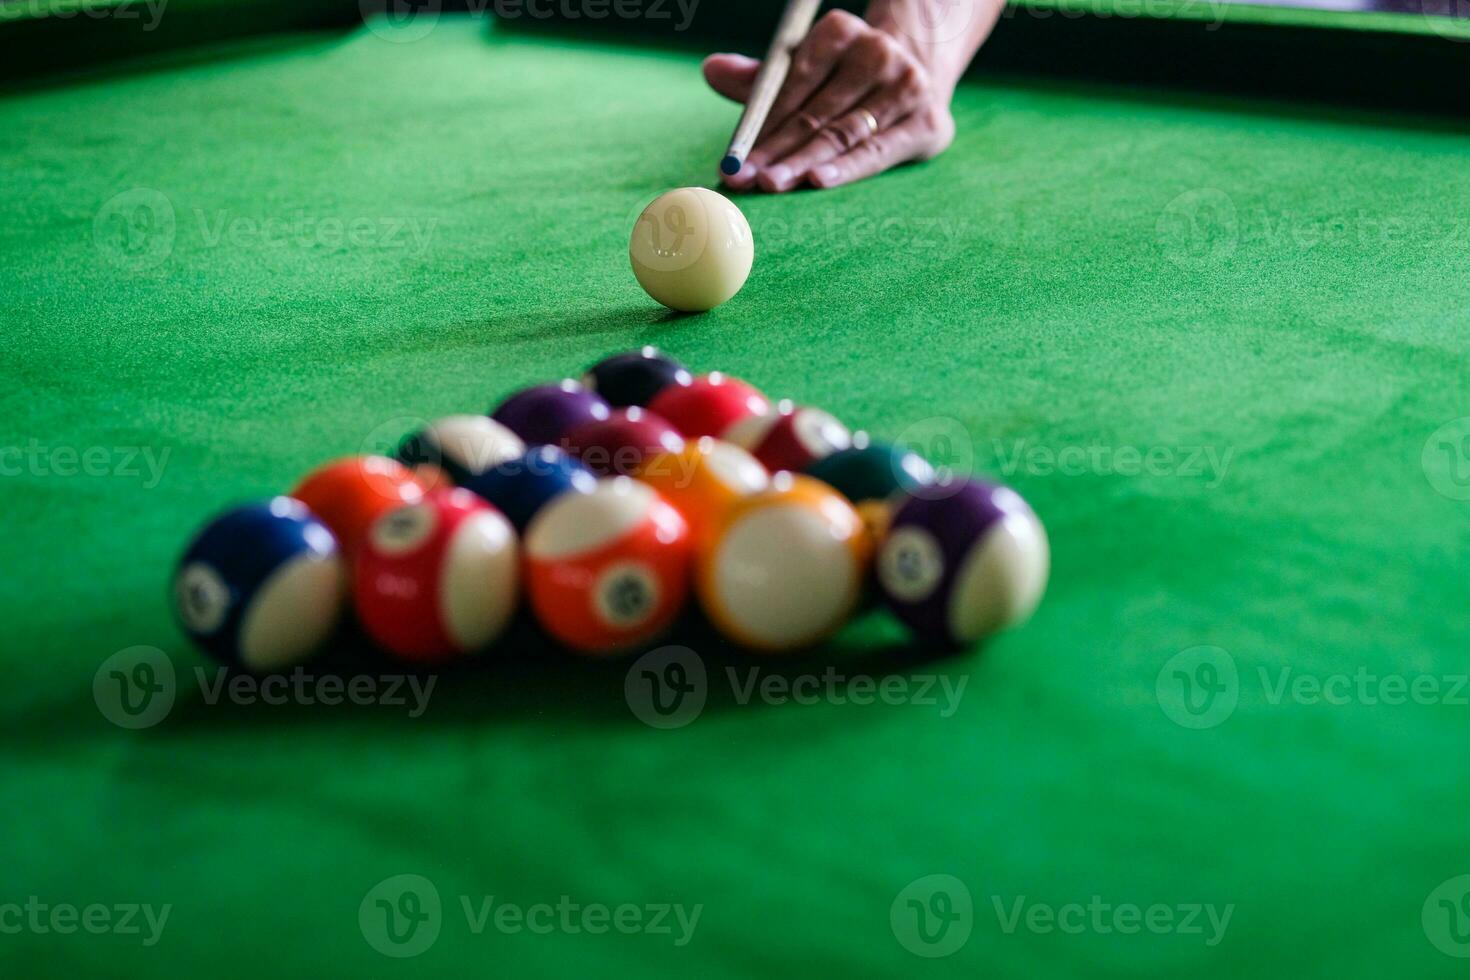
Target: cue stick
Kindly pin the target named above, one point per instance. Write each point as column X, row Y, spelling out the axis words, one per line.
column 796, row 20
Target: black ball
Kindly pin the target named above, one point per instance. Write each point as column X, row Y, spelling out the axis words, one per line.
column 633, row 378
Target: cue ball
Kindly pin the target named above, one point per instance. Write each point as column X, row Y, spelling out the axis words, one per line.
column 962, row 561
column 691, row 249
column 262, row 586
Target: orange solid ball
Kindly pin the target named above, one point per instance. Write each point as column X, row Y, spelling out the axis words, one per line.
column 703, row 480
column 348, row 495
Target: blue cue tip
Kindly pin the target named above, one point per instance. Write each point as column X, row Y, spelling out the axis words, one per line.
column 730, row 166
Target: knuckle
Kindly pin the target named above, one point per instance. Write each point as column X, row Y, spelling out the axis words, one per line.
column 834, row 138
column 910, row 80
column 839, row 25
column 874, row 52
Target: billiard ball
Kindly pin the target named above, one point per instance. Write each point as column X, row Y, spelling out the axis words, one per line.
column 703, row 480
column 262, row 586
column 790, row 438
column 519, row 488
column 348, row 495
column 786, row 567
column 609, row 569
column 438, row 579
column 459, row 446
column 871, row 470
column 618, row 444
column 961, row 561
column 709, row 405
column 543, row 415
column 691, row 249
column 871, row 474
column 634, row 378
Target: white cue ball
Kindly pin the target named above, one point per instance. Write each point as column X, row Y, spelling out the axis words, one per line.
column 691, row 249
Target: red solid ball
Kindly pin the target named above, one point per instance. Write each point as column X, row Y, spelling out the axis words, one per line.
column 709, row 405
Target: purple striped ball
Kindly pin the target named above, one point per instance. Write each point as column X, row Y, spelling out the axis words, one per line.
column 962, row 561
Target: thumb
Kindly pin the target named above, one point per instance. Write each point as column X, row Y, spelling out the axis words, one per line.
column 731, row 75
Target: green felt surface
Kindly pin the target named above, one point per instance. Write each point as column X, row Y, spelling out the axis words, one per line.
column 1218, row 12
column 1266, row 301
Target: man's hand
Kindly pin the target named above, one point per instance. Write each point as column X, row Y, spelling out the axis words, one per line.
column 860, row 97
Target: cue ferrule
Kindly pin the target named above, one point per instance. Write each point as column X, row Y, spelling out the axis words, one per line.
column 796, row 21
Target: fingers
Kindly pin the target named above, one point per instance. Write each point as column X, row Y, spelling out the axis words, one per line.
column 838, row 95
column 886, row 106
column 731, row 75
column 917, row 137
column 814, row 60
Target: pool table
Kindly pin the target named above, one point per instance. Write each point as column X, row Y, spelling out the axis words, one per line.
column 1217, row 339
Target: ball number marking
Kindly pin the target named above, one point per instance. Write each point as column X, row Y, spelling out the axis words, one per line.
column 911, row 564
column 203, row 598
column 626, row 595
column 401, row 531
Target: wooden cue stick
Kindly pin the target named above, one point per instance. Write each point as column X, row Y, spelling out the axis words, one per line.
column 796, row 21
